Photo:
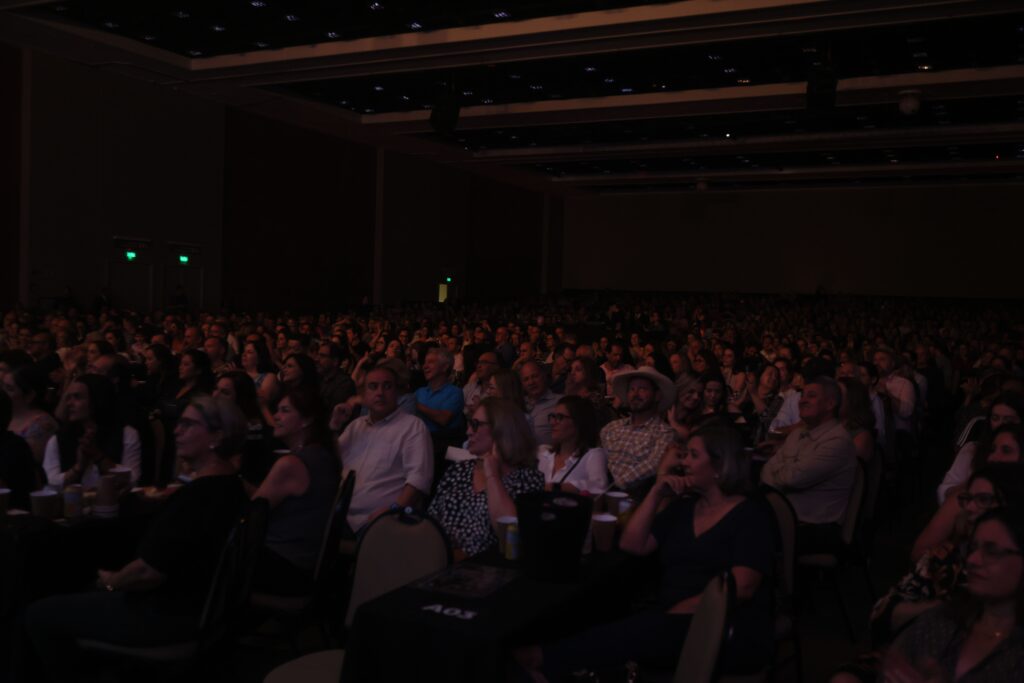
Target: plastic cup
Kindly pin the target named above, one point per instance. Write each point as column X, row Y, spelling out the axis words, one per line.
column 603, row 527
column 45, row 503
column 613, row 501
column 73, row 501
column 503, row 524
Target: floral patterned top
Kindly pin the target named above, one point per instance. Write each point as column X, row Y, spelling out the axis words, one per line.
column 462, row 512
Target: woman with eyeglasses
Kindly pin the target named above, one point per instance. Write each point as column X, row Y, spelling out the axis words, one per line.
column 574, row 462
column 940, row 571
column 157, row 598
column 977, row 637
column 1004, row 445
column 1007, row 408
column 474, row 494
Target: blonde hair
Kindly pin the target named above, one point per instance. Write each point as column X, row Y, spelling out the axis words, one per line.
column 511, row 434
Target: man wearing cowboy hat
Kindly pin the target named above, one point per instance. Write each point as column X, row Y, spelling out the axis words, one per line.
column 636, row 443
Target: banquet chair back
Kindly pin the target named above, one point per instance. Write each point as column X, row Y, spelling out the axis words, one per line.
column 332, row 532
column 398, row 547
column 699, row 659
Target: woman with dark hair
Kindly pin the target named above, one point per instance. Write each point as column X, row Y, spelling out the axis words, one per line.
column 586, row 380
column 257, row 454
column 157, row 598
column 1004, row 446
column 1007, row 408
column 978, row 637
column 856, row 415
column 257, row 364
column 699, row 516
column 300, row 488
column 714, row 396
column 574, row 461
column 473, row 494
column 765, row 402
column 92, row 440
column 735, row 379
column 161, row 375
column 299, row 371
column 26, row 386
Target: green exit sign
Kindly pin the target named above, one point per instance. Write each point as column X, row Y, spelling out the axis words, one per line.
column 183, row 259
column 130, row 255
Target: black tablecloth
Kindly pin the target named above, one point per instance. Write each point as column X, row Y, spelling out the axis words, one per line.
column 424, row 633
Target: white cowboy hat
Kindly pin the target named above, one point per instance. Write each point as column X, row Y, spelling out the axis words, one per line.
column 620, row 386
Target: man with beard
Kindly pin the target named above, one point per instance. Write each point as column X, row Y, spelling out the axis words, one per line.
column 476, row 387
column 636, row 443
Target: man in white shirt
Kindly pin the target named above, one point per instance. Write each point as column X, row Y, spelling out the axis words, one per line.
column 476, row 388
column 389, row 450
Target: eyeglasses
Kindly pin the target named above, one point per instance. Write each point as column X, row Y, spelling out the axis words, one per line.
column 475, row 424
column 990, row 552
column 982, row 500
column 556, row 418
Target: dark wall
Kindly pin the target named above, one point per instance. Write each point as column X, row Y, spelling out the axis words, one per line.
column 937, row 241
column 440, row 220
column 10, row 172
column 111, row 155
column 298, row 216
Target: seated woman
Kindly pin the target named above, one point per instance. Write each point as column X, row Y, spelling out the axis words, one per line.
column 92, row 441
column 1006, row 408
column 703, row 524
column 685, row 415
column 586, row 380
column 300, row 488
column 978, row 638
column 1003, row 446
column 256, row 363
column 939, row 574
column 158, row 597
column 574, row 462
column 764, row 403
column 257, row 454
column 473, row 494
column 714, row 398
column 858, row 418
column 26, row 386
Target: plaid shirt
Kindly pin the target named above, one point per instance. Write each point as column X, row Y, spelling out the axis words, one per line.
column 634, row 452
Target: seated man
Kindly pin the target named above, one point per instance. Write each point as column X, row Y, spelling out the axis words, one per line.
column 389, row 451
column 440, row 403
column 540, row 401
column 476, row 387
column 636, row 443
column 815, row 467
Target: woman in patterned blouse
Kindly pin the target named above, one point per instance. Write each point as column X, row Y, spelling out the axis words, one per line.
column 473, row 494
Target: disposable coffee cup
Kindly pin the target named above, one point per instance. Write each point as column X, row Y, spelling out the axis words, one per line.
column 603, row 527
column 73, row 501
column 45, row 504
column 613, row 501
column 106, row 491
column 5, row 500
column 503, row 525
column 123, row 475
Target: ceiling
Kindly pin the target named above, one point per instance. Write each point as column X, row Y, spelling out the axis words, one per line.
column 597, row 96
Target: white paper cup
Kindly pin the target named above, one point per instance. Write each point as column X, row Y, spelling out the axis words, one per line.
column 603, row 527
column 613, row 500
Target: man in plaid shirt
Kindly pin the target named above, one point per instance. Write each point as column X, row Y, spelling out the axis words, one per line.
column 636, row 443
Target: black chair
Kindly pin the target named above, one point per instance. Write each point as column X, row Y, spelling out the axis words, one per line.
column 296, row 610
column 222, row 611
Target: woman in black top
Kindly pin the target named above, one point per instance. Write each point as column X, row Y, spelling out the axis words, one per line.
column 157, row 598
column 702, row 524
column 257, row 454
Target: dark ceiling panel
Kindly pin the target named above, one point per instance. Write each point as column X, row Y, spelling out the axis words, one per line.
column 738, row 127
column 934, row 46
column 207, row 28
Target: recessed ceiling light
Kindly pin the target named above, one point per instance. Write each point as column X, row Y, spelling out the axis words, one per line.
column 261, row 44
column 149, row 38
column 195, row 53
column 924, row 67
column 181, row 14
column 379, row 88
column 728, row 135
column 405, row 98
column 332, row 35
column 376, row 6
column 218, row 28
column 291, row 17
column 467, row 93
column 514, row 77
column 110, row 24
column 590, row 69
column 609, row 80
column 536, row 87
column 368, row 110
column 487, row 100
column 501, row 14
column 743, row 81
column 715, row 57
column 627, row 90
column 415, row 26
column 257, row 3
column 729, row 70
column 60, row 8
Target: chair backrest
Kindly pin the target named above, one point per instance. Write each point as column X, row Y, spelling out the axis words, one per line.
column 232, row 579
column 335, row 523
column 395, row 549
column 785, row 523
column 699, row 658
column 854, row 508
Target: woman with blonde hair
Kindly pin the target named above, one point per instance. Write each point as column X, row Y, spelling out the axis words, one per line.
column 473, row 494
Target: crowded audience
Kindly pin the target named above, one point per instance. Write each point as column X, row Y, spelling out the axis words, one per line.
column 686, row 405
